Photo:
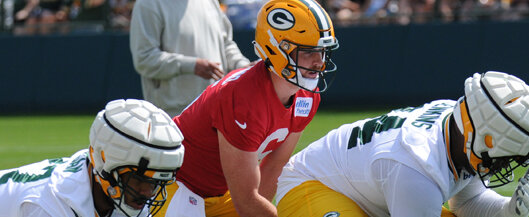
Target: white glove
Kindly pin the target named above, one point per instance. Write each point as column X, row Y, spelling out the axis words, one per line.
column 519, row 203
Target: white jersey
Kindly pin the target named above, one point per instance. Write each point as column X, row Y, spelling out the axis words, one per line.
column 344, row 159
column 60, row 187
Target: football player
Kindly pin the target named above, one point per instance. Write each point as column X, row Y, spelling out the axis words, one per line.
column 410, row 161
column 135, row 149
column 242, row 129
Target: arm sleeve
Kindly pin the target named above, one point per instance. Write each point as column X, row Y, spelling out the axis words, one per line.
column 145, row 34
column 476, row 200
column 408, row 193
column 32, row 210
column 233, row 54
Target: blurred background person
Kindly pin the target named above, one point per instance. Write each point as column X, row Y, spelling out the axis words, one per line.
column 39, row 15
column 179, row 48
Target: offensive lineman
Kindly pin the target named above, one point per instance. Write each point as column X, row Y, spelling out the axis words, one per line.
column 242, row 130
column 134, row 150
column 410, row 161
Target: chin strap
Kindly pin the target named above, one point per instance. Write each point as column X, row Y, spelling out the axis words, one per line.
column 91, row 177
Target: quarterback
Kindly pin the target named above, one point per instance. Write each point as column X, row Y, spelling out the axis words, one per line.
column 134, row 151
column 241, row 130
column 410, row 161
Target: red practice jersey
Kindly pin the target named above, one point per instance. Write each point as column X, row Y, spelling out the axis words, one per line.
column 245, row 108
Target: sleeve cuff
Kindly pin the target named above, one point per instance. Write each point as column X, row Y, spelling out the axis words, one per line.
column 188, row 64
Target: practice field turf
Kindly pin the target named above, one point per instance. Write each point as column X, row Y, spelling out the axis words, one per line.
column 28, row 139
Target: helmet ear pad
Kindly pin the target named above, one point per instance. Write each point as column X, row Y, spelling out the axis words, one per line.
column 464, row 124
column 497, row 128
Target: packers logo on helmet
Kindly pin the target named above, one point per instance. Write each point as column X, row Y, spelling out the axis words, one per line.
column 281, row 19
column 332, row 214
column 288, row 26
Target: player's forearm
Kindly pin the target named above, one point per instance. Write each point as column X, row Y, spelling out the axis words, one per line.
column 269, row 176
column 258, row 206
column 488, row 203
column 268, row 191
column 272, row 166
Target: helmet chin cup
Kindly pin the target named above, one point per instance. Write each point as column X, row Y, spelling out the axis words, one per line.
column 305, row 83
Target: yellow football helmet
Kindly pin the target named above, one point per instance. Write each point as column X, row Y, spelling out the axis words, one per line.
column 284, row 26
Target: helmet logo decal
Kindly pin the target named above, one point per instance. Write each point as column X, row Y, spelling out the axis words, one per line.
column 331, row 214
column 281, row 19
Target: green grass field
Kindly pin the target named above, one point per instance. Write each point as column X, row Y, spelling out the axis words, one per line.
column 28, row 139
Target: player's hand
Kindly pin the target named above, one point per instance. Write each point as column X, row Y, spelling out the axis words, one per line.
column 207, row 69
column 22, row 15
column 519, row 204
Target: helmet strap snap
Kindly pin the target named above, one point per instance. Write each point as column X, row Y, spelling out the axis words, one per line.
column 286, row 73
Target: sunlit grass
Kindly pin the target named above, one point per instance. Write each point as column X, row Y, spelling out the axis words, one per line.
column 28, row 139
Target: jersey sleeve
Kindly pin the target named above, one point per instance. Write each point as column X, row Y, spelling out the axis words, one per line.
column 408, row 193
column 28, row 209
column 476, row 200
column 241, row 120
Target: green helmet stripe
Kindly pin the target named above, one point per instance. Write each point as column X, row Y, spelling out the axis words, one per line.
column 319, row 14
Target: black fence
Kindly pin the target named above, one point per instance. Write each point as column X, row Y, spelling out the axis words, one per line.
column 377, row 65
